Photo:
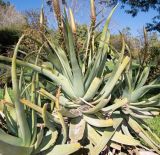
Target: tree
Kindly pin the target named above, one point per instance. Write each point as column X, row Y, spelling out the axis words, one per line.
column 32, row 18
column 4, row 3
column 133, row 7
column 10, row 17
column 11, row 22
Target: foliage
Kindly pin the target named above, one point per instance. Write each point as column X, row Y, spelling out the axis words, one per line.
column 69, row 102
column 132, row 42
column 11, row 30
column 32, row 18
column 4, row 3
column 9, row 17
column 134, row 6
column 149, row 54
column 11, row 23
column 154, row 124
column 9, row 37
column 144, row 48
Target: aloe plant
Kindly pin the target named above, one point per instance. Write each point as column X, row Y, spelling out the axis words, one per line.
column 74, row 103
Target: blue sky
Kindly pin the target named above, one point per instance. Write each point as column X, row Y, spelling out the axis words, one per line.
column 120, row 19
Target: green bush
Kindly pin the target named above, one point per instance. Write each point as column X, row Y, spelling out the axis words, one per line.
column 8, row 38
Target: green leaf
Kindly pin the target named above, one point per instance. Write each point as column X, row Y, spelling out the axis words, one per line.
column 106, row 136
column 39, row 110
column 21, row 118
column 76, row 70
column 150, row 101
column 98, row 107
column 7, row 96
column 47, row 142
column 10, row 113
column 98, row 122
column 6, row 149
column 105, row 29
column 93, row 88
column 136, row 94
column 39, row 138
column 118, row 104
column 124, row 139
column 92, row 72
column 113, row 79
column 47, row 122
column 56, row 77
column 93, row 136
column 65, row 149
column 101, row 55
column 143, row 78
column 12, row 140
column 53, row 58
column 63, row 60
column 11, row 120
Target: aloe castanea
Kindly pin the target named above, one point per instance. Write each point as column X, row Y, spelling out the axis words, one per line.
column 92, row 109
